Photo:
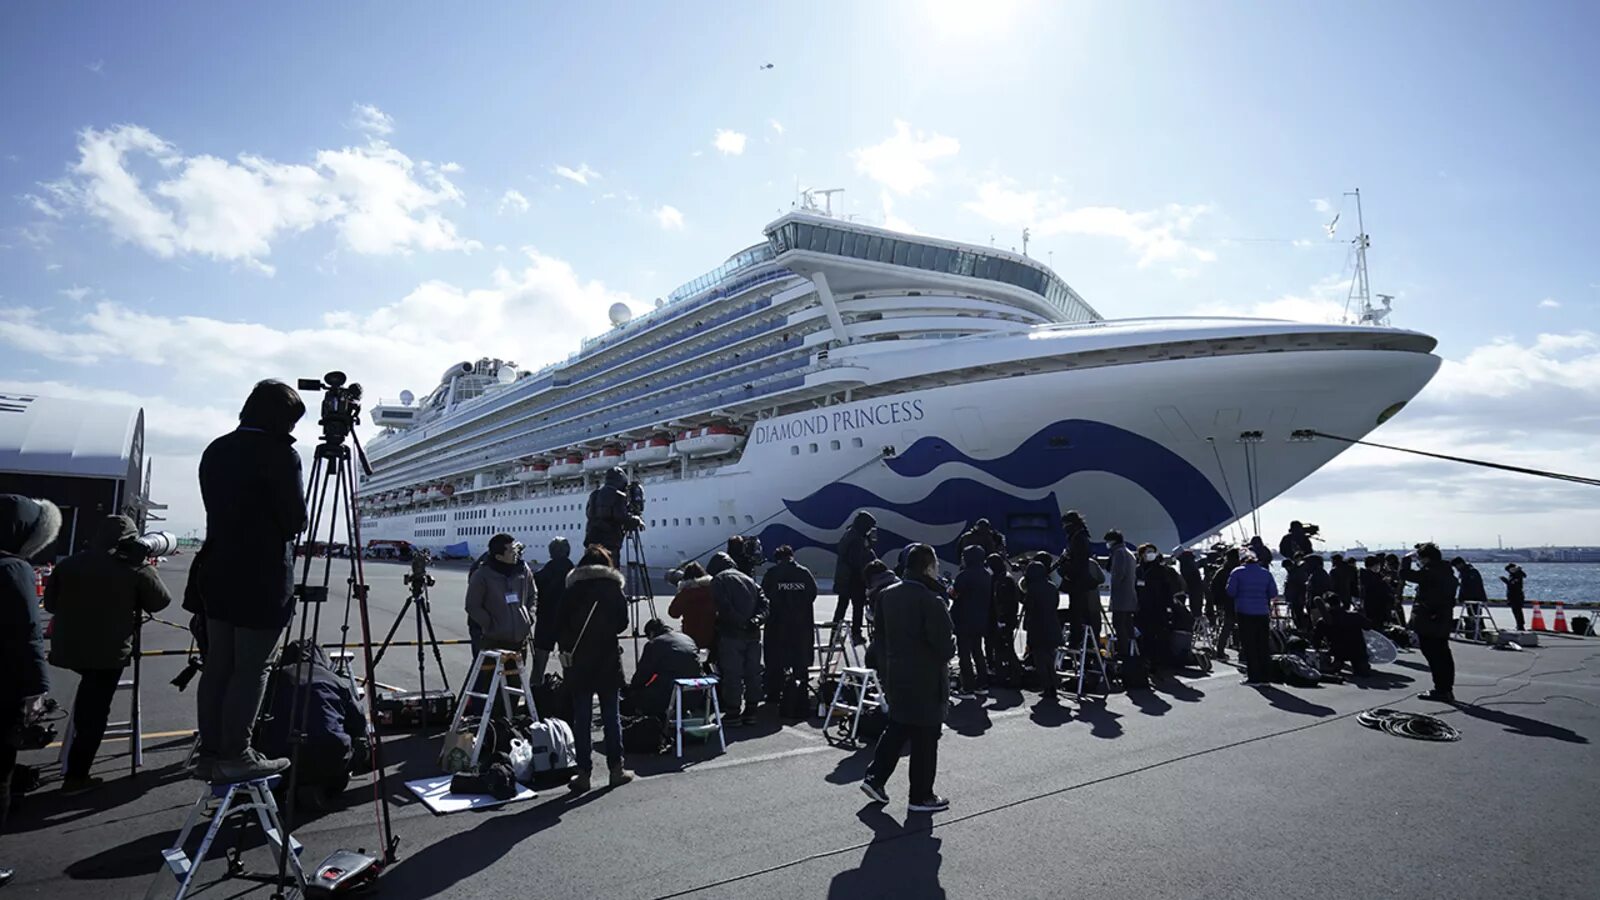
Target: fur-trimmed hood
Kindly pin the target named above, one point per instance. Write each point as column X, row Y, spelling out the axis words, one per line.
column 704, row 581
column 593, row 573
column 27, row 525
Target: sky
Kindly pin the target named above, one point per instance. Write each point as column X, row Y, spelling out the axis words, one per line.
column 197, row 196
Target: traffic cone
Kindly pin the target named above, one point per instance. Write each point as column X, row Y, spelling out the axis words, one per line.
column 1561, row 619
column 1538, row 619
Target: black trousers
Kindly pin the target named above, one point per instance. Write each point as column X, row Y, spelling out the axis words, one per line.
column 91, row 709
column 1122, row 624
column 1044, row 662
column 1441, row 663
column 10, row 712
column 1254, row 647
column 1516, row 613
column 969, row 652
column 857, row 605
column 924, row 740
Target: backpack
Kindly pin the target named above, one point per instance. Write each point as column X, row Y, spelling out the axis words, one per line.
column 1296, row 671
column 794, row 702
column 553, row 696
column 644, row 734
column 551, row 745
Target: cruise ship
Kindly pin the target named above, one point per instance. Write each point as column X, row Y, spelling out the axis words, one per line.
column 835, row 367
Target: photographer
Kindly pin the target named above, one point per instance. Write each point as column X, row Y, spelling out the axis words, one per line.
column 98, row 597
column 500, row 597
column 1515, row 595
column 741, row 611
column 792, row 592
column 849, row 578
column 26, row 527
column 593, row 612
column 1077, row 578
column 255, row 506
column 608, row 516
column 1433, row 617
column 1377, row 599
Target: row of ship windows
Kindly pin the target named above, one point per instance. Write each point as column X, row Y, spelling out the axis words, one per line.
column 430, row 532
column 794, row 449
column 431, row 517
column 478, row 530
column 471, row 514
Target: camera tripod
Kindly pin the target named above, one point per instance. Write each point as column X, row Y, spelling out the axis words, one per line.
column 420, row 581
column 330, row 494
column 636, row 585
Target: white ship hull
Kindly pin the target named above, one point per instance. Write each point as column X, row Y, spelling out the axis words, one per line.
column 1152, row 448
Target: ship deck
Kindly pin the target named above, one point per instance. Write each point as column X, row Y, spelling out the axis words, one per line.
column 1201, row 788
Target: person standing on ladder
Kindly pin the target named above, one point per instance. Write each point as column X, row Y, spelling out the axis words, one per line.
column 607, row 517
column 98, row 597
column 501, row 596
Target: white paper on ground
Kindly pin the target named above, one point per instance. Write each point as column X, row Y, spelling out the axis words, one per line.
column 435, row 794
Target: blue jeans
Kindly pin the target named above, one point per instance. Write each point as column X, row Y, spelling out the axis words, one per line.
column 583, row 724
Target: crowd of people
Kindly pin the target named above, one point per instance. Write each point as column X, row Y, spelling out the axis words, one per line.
column 757, row 636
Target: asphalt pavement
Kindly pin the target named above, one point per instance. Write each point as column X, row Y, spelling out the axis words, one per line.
column 1201, row 787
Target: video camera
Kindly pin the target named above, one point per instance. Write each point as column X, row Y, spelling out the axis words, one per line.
column 419, row 577
column 136, row 551
column 341, row 404
column 1313, row 531
column 635, row 498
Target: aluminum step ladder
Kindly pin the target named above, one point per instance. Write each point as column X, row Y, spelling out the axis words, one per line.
column 866, row 694
column 506, row 678
column 839, row 654
column 229, row 798
column 1475, row 622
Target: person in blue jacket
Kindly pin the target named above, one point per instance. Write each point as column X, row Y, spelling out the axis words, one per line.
column 1253, row 589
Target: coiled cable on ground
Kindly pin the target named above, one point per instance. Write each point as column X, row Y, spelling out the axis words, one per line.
column 1416, row 726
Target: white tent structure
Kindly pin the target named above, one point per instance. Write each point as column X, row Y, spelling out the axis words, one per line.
column 86, row 457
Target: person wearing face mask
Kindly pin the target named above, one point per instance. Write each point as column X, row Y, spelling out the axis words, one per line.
column 916, row 640
column 1433, row 616
column 1157, row 585
column 501, row 596
column 1124, row 591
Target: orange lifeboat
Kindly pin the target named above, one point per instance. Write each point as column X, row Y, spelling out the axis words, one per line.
column 712, row 440
column 650, row 451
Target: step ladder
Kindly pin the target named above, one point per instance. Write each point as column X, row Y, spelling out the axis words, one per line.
column 866, row 694
column 838, row 655
column 504, row 670
column 132, row 728
column 240, row 796
column 1089, row 648
column 712, row 716
column 1475, row 621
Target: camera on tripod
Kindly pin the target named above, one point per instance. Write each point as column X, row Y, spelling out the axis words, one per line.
column 341, row 404
column 419, row 576
column 635, row 498
column 135, row 551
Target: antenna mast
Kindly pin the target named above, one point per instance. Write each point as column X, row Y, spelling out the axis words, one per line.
column 1360, row 295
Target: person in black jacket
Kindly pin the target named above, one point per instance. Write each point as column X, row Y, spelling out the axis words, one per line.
column 551, row 584
column 1077, row 580
column 971, row 596
column 1377, row 599
column 668, row 655
column 1158, row 583
column 1040, row 601
column 741, row 611
column 982, row 534
column 916, row 640
column 98, row 598
column 1194, row 583
column 593, row 612
column 791, row 593
column 1221, row 603
column 1433, row 617
column 26, row 527
column 1295, row 544
column 1318, row 588
column 849, row 578
column 607, row 515
column 1515, row 595
column 1004, row 601
column 255, row 506
column 1471, row 590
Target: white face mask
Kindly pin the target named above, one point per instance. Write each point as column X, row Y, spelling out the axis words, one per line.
column 931, row 572
column 1150, row 556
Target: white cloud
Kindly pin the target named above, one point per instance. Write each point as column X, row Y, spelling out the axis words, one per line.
column 1549, row 303
column 1322, row 302
column 669, row 218
column 513, row 201
column 41, row 205
column 890, row 220
column 1157, row 235
column 582, row 174
column 75, row 293
column 776, row 126
column 900, row 162
column 97, row 67
column 533, row 313
column 1300, row 242
column 378, row 199
column 729, row 143
column 1322, row 206
column 372, row 120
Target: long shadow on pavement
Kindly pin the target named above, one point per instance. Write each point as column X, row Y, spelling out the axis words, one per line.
column 853, row 767
column 1050, row 713
column 969, row 718
column 1102, row 721
column 1522, row 725
column 1295, row 704
column 1149, row 702
column 900, row 862
column 435, row 869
